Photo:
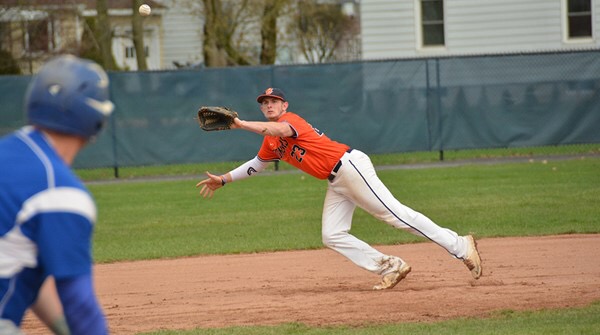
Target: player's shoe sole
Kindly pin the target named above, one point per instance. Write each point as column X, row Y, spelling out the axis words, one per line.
column 391, row 279
column 473, row 261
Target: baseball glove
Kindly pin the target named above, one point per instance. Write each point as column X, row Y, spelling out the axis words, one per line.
column 216, row 118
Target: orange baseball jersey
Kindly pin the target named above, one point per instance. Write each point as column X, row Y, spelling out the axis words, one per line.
column 308, row 149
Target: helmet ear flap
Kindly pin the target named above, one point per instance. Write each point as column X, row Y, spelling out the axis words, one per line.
column 82, row 119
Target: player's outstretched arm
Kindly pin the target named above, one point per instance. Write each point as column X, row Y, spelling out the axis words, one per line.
column 214, row 182
column 211, row 184
column 264, row 128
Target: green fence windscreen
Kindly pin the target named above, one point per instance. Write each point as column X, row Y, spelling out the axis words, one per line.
column 379, row 107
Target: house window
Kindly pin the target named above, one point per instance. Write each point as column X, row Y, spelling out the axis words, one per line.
column 579, row 18
column 38, row 36
column 432, row 21
column 130, row 52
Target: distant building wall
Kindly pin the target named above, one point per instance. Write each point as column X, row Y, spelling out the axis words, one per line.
column 392, row 28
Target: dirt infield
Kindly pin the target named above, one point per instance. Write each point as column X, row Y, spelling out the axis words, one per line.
column 320, row 287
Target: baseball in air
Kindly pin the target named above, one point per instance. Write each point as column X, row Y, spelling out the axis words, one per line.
column 144, row 10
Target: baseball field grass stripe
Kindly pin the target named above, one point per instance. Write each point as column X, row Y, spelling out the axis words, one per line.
column 164, row 219
column 381, row 160
column 560, row 321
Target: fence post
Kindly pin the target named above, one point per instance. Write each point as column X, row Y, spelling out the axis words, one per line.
column 113, row 123
column 438, row 93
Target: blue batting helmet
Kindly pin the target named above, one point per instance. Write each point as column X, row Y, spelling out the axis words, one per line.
column 69, row 95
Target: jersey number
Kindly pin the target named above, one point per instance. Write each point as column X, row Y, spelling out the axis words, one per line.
column 297, row 153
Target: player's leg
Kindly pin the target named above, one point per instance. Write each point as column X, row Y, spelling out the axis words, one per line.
column 337, row 221
column 368, row 192
column 336, row 224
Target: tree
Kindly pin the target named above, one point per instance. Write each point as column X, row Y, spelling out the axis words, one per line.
column 317, row 29
column 90, row 47
column 321, row 29
column 222, row 21
column 269, row 31
column 104, row 35
column 8, row 65
column 137, row 29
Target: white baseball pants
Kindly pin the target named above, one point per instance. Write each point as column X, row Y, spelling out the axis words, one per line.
column 357, row 184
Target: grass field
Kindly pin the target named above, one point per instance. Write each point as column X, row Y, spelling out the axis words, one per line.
column 148, row 219
column 578, row 321
column 161, row 219
column 378, row 160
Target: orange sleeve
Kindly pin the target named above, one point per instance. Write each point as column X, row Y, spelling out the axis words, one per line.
column 267, row 151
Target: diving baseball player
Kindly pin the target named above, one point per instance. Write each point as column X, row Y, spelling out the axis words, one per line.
column 352, row 182
column 47, row 215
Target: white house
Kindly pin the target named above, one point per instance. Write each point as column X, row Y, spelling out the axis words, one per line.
column 181, row 33
column 122, row 43
column 172, row 37
column 32, row 31
column 431, row 28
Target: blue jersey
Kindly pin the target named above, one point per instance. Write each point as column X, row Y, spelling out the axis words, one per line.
column 47, row 218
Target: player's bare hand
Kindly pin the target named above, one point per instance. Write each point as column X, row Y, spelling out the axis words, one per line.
column 237, row 123
column 209, row 185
